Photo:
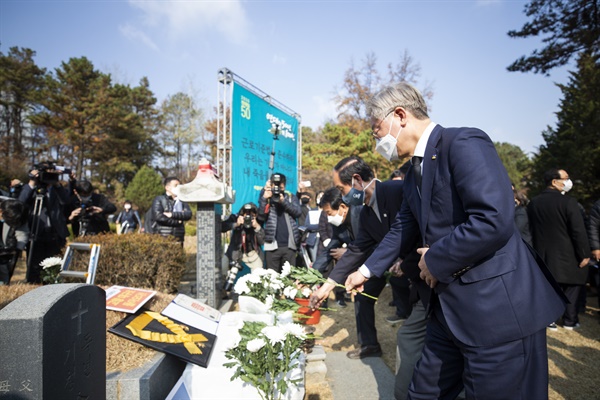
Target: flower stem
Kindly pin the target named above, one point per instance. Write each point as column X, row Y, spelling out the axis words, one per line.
column 357, row 292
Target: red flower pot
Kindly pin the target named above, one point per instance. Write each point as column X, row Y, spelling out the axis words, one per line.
column 314, row 316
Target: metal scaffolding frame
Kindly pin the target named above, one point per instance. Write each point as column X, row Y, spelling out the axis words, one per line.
column 225, row 78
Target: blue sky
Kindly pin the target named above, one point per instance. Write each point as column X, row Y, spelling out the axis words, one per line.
column 298, row 51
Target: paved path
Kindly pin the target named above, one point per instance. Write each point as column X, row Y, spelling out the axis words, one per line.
column 367, row 379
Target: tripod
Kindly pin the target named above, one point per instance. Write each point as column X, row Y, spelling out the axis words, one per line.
column 35, row 226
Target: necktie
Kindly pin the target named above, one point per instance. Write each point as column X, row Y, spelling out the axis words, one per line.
column 416, row 163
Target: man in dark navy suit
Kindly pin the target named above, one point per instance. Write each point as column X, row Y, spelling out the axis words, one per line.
column 376, row 217
column 492, row 297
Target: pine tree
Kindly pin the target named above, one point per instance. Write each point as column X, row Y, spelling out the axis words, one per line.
column 570, row 28
column 144, row 187
column 574, row 145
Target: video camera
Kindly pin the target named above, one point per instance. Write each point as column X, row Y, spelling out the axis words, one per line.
column 276, row 181
column 48, row 172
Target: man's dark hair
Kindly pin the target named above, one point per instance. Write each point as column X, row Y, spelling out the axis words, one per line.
column 168, row 180
column 14, row 213
column 396, row 174
column 127, row 202
column 333, row 197
column 283, row 179
column 351, row 166
column 550, row 175
column 84, row 186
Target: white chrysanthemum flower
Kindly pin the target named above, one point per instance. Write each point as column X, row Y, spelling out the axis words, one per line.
column 306, row 292
column 260, row 271
column 271, row 273
column 241, row 286
column 276, row 285
column 255, row 345
column 293, row 329
column 274, row 333
column 269, row 301
column 290, row 292
column 286, row 269
column 50, row 262
column 253, row 278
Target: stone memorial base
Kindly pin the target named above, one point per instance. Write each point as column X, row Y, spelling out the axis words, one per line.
column 152, row 381
column 214, row 382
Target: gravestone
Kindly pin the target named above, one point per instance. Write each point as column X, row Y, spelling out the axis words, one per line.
column 53, row 344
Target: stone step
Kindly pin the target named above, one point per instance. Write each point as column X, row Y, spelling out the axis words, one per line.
column 367, row 379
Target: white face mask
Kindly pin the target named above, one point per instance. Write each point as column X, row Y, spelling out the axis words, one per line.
column 568, row 185
column 127, row 207
column 336, row 220
column 386, row 146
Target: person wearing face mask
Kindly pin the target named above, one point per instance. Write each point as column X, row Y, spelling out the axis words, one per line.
column 355, row 179
column 560, row 238
column 128, row 219
column 88, row 211
column 304, row 198
column 491, row 298
column 344, row 220
column 169, row 213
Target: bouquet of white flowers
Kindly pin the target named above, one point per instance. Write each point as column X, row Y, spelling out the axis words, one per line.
column 51, row 268
column 266, row 357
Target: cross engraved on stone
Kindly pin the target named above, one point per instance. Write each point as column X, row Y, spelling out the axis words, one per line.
column 78, row 315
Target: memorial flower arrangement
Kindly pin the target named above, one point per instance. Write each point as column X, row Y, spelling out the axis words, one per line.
column 274, row 289
column 267, row 357
column 51, row 268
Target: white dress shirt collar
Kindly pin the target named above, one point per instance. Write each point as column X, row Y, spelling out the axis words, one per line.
column 422, row 143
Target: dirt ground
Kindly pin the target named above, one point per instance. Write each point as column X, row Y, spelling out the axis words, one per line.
column 573, row 355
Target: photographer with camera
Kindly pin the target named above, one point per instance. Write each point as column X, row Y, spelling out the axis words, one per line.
column 247, row 237
column 14, row 234
column 47, row 201
column 278, row 211
column 88, row 211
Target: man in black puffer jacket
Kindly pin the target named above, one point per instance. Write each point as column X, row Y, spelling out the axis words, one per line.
column 169, row 213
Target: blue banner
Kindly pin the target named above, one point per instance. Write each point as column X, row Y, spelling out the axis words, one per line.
column 252, row 123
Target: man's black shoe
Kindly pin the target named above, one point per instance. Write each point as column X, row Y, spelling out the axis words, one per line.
column 341, row 303
column 365, row 351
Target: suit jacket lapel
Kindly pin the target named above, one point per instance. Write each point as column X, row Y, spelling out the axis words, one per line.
column 430, row 165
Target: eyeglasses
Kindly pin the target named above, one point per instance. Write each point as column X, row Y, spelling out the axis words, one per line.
column 377, row 128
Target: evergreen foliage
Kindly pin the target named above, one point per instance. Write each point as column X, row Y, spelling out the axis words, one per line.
column 145, row 186
column 574, row 145
column 517, row 164
column 570, row 27
column 137, row 260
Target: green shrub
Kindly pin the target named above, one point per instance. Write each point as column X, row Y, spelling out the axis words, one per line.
column 136, row 260
column 190, row 230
